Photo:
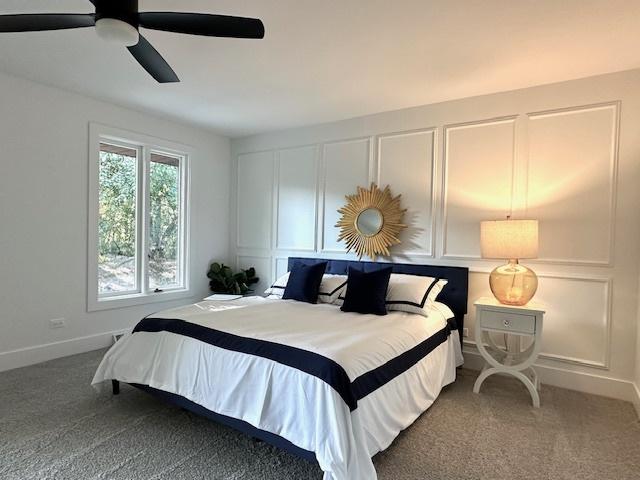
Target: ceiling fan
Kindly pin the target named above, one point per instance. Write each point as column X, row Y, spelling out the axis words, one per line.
column 118, row 21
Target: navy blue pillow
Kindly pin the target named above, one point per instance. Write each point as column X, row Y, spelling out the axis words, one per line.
column 367, row 292
column 304, row 282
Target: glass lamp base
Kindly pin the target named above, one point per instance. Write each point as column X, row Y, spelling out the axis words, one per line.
column 513, row 284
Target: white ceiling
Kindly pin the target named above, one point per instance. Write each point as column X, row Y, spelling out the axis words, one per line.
column 325, row 60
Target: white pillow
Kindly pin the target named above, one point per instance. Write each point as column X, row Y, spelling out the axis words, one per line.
column 277, row 289
column 331, row 287
column 413, row 293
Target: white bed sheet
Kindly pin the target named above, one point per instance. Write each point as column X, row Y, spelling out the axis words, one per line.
column 284, row 400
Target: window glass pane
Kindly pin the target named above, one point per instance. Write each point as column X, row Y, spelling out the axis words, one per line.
column 164, row 221
column 117, row 219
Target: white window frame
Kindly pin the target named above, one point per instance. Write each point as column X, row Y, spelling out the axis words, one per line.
column 145, row 145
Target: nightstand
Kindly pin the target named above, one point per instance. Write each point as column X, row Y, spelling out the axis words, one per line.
column 517, row 322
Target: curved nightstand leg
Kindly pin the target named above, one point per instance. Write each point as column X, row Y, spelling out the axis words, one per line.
column 482, row 377
column 535, row 397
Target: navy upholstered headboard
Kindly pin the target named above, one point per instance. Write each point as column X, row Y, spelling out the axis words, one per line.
column 454, row 294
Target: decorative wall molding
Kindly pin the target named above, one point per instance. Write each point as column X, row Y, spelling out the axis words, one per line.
column 279, row 267
column 427, row 250
column 590, row 350
column 323, row 215
column 444, row 209
column 240, row 209
column 613, row 174
column 265, row 274
column 278, row 245
column 607, row 283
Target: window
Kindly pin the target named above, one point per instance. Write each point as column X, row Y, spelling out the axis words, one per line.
column 137, row 238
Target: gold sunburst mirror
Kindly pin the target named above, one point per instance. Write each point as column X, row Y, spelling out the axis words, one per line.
column 371, row 221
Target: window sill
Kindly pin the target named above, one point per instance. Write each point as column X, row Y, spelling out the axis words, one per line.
column 122, row 301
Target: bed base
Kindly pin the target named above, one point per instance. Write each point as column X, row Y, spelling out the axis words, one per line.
column 240, row 425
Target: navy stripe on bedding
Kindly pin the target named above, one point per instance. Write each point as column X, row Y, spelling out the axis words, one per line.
column 376, row 378
column 311, row 363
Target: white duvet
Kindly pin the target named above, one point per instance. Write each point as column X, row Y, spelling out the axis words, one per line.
column 286, row 401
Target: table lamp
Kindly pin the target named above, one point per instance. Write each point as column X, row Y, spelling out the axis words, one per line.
column 511, row 284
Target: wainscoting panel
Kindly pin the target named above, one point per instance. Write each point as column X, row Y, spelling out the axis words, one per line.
column 296, row 199
column 263, row 270
column 406, row 162
column 280, row 266
column 577, row 331
column 345, row 166
column 565, row 154
column 571, row 182
column 254, row 199
column 477, row 181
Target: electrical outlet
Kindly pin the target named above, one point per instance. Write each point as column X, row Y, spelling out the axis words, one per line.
column 465, row 332
column 57, row 323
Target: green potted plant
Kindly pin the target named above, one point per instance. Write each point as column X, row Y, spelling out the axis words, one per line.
column 223, row 280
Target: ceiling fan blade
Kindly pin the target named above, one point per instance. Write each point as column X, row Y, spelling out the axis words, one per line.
column 203, row 24
column 45, row 21
column 152, row 62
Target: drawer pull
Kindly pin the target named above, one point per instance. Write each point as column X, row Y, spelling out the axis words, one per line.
column 507, row 323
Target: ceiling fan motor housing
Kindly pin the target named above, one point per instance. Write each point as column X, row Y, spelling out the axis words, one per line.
column 124, row 10
column 117, row 21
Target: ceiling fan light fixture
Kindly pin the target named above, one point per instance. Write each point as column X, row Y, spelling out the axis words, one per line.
column 117, row 31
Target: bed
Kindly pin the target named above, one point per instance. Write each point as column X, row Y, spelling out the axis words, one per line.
column 329, row 386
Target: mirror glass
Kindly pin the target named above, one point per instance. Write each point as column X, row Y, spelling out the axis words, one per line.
column 369, row 222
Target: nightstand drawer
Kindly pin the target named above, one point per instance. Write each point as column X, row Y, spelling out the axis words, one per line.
column 510, row 322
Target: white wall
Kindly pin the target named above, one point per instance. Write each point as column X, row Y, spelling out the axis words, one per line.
column 43, row 217
column 567, row 154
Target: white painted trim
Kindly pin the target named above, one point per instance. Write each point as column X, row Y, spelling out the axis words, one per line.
column 445, row 175
column 572, row 380
column 276, row 201
column 237, row 199
column 267, row 257
column 613, row 176
column 323, row 147
column 428, row 251
column 608, row 282
column 144, row 145
column 24, row 357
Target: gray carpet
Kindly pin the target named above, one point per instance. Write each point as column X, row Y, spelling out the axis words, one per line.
column 53, row 425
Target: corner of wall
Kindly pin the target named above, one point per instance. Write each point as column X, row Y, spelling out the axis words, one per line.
column 636, row 401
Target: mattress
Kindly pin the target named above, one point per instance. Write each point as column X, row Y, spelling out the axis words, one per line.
column 341, row 385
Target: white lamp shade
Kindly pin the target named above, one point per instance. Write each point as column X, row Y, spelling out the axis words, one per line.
column 509, row 239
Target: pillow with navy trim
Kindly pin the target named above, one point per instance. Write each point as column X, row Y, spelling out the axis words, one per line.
column 366, row 291
column 331, row 287
column 413, row 293
column 277, row 288
column 304, row 282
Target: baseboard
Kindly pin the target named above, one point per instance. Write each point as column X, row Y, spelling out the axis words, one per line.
column 572, row 380
column 41, row 353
